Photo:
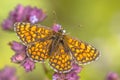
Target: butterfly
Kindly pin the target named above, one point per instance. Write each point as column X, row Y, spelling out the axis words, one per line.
column 57, row 47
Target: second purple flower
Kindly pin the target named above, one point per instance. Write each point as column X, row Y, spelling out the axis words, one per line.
column 26, row 14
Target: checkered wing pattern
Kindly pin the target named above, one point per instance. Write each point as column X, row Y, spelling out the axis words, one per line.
column 39, row 50
column 81, row 52
column 40, row 46
column 61, row 61
column 29, row 33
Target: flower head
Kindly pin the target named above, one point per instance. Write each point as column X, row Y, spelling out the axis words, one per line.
column 113, row 76
column 28, row 64
column 20, row 52
column 26, row 14
column 33, row 19
column 8, row 73
column 72, row 75
column 20, row 56
column 56, row 27
column 17, row 47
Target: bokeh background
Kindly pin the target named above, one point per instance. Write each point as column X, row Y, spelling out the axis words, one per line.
column 96, row 22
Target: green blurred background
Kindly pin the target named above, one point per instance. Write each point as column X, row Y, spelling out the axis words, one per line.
column 96, row 22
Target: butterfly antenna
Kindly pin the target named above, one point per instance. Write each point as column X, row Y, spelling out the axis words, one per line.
column 55, row 17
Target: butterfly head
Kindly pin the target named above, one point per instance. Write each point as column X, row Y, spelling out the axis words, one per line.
column 62, row 31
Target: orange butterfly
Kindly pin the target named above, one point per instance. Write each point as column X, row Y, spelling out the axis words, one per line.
column 44, row 43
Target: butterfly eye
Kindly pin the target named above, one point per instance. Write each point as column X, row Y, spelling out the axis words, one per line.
column 64, row 31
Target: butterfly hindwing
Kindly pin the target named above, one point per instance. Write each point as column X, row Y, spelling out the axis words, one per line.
column 39, row 50
column 61, row 61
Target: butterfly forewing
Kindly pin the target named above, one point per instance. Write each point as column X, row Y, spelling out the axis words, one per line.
column 29, row 33
column 81, row 52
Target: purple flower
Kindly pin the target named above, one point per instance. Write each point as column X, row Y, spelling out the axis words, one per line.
column 28, row 64
column 17, row 47
column 72, row 75
column 8, row 73
column 56, row 27
column 33, row 19
column 26, row 14
column 76, row 68
column 40, row 15
column 113, row 76
column 20, row 52
column 21, row 56
column 18, row 57
column 7, row 24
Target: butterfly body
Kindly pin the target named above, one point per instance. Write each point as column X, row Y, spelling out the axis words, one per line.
column 44, row 43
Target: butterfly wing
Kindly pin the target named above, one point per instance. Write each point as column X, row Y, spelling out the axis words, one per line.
column 61, row 61
column 81, row 52
column 29, row 33
column 39, row 50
